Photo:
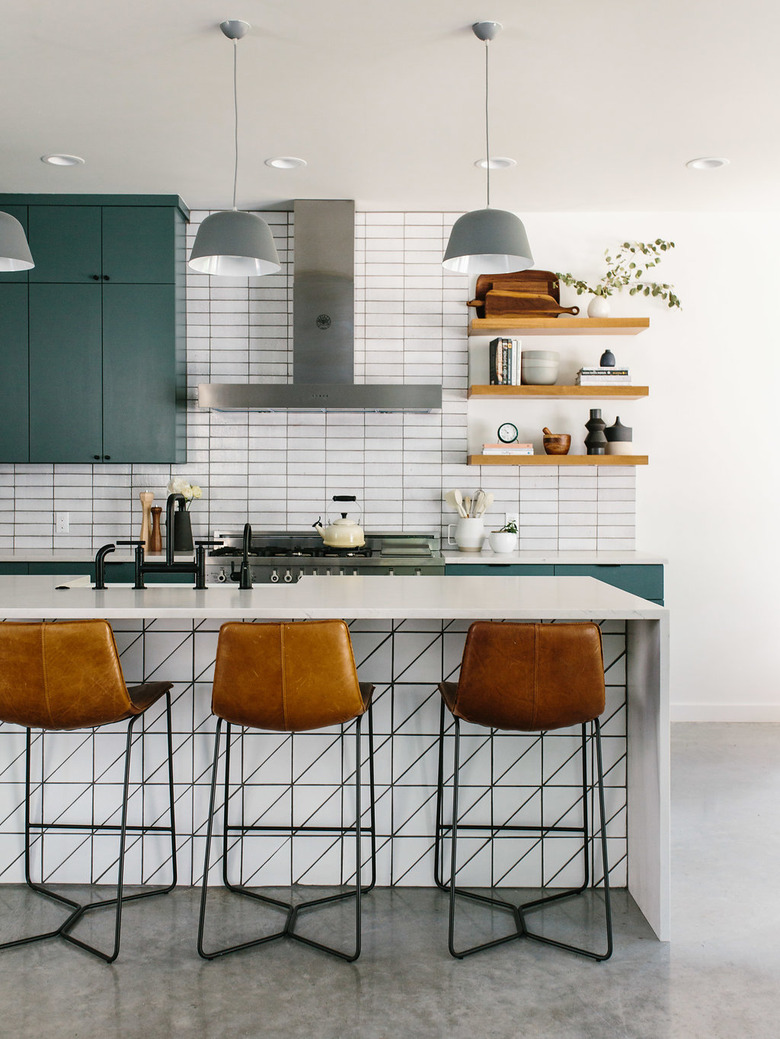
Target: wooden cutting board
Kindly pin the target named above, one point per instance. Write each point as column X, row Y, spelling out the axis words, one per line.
column 534, row 283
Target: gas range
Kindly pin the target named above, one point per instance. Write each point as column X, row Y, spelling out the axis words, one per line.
column 286, row 556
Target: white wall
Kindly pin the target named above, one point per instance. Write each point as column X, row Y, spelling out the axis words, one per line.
column 710, row 499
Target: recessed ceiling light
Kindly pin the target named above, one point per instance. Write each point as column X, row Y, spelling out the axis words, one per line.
column 497, row 162
column 706, row 162
column 62, row 160
column 285, row 162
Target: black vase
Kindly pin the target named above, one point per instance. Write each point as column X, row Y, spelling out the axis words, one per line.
column 182, row 531
column 595, row 441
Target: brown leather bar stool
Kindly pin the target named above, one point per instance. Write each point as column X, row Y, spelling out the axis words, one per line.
column 288, row 677
column 67, row 675
column 530, row 678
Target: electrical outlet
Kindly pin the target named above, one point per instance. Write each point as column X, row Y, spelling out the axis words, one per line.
column 512, row 517
column 61, row 522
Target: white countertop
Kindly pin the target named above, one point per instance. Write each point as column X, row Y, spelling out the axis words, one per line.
column 433, row 598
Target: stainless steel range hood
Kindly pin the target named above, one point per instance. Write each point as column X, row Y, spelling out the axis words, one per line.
column 323, row 329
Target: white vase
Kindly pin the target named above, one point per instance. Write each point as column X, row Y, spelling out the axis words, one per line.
column 598, row 307
column 469, row 534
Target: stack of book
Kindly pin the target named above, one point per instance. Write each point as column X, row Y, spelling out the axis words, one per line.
column 603, row 377
column 505, row 362
column 508, row 449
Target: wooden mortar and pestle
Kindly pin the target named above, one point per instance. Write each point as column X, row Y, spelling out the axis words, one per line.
column 556, row 443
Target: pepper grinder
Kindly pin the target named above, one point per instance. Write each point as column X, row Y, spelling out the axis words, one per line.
column 146, row 520
column 155, row 537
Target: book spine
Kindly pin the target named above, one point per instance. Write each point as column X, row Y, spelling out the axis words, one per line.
column 493, row 356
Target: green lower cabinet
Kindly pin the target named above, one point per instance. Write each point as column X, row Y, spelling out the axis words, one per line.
column 497, row 570
column 63, row 569
column 645, row 580
column 12, row 569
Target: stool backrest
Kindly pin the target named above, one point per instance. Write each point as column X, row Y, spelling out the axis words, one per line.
column 531, row 676
column 63, row 675
column 287, row 677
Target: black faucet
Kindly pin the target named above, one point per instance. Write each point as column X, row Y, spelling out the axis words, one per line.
column 244, row 575
column 196, row 567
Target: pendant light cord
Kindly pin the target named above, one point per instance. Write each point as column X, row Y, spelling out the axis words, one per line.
column 235, row 114
column 487, row 124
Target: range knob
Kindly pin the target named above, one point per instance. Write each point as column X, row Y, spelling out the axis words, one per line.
column 222, row 576
column 288, row 577
column 274, row 577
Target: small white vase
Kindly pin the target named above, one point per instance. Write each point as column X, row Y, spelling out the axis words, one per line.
column 469, row 534
column 598, row 307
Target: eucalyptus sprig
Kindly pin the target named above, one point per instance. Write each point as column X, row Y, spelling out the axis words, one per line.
column 627, row 269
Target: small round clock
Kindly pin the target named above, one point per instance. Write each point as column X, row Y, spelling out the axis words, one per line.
column 507, row 433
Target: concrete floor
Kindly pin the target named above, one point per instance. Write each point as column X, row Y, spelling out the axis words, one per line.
column 720, row 977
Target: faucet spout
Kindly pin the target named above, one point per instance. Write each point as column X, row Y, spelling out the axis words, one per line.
column 245, row 576
column 170, row 506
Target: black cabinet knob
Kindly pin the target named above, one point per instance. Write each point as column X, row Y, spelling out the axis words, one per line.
column 106, row 278
column 96, row 457
column 107, row 458
column 96, row 277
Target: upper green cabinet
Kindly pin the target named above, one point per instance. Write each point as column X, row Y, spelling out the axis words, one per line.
column 94, row 342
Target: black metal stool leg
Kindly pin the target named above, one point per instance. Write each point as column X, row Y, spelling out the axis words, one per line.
column 519, row 911
column 292, row 911
column 77, row 909
column 438, row 846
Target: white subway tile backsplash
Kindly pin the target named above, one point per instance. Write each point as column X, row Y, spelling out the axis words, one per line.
column 280, row 470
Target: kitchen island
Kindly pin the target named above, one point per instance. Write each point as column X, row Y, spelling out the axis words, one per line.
column 408, row 633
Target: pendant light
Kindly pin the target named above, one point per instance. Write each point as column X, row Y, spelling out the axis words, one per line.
column 487, row 241
column 14, row 250
column 234, row 243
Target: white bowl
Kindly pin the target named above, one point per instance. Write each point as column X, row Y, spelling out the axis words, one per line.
column 540, row 355
column 501, row 541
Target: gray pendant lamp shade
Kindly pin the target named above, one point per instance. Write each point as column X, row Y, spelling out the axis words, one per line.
column 488, row 241
column 14, row 251
column 236, row 244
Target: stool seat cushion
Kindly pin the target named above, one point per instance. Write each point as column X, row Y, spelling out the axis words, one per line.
column 145, row 695
column 529, row 677
column 287, row 677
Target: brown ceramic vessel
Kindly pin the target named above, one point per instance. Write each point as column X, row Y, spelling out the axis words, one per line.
column 556, row 443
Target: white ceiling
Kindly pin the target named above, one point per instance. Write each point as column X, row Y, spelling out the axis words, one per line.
column 600, row 102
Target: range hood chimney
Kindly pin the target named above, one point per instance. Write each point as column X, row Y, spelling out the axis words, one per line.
column 323, row 329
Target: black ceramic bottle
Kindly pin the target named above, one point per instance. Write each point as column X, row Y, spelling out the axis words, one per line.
column 595, row 441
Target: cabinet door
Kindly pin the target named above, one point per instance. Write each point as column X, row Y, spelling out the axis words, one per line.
column 139, row 373
column 15, row 414
column 65, row 373
column 645, row 580
column 65, row 243
column 498, row 570
column 138, row 244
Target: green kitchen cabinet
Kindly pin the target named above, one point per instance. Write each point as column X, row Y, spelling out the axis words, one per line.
column 643, row 579
column 15, row 414
column 498, row 570
column 105, row 344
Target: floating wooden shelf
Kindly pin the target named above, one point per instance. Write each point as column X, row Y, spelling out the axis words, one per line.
column 550, row 392
column 559, row 326
column 557, row 460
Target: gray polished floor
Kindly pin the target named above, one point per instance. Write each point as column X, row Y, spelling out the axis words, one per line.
column 720, row 977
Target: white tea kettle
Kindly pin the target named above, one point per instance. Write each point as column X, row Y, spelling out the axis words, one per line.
column 343, row 532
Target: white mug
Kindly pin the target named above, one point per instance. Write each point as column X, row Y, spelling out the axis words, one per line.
column 469, row 534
